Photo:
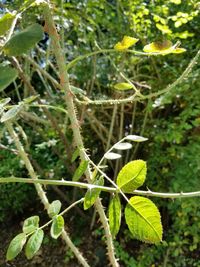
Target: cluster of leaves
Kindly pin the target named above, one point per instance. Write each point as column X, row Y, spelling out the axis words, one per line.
column 35, row 234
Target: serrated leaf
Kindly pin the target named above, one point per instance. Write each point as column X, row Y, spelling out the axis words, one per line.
column 11, row 113
column 23, row 41
column 54, row 208
column 75, row 155
column 57, row 226
column 123, row 86
column 114, row 215
column 123, row 146
column 92, row 194
column 80, row 170
column 31, row 224
column 136, row 138
column 132, row 176
column 6, row 23
column 143, row 220
column 7, row 76
column 34, row 243
column 15, row 246
column 112, row 156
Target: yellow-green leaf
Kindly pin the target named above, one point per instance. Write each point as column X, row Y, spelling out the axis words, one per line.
column 57, row 226
column 114, row 215
column 15, row 246
column 23, row 41
column 7, row 76
column 158, row 47
column 163, row 48
column 34, row 243
column 92, row 194
column 123, row 86
column 143, row 220
column 126, row 42
column 5, row 23
column 132, row 176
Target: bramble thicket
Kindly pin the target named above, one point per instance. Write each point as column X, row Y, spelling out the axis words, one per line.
column 99, row 133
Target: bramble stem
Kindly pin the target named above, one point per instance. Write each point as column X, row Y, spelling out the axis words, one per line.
column 40, row 191
column 71, row 108
column 103, row 188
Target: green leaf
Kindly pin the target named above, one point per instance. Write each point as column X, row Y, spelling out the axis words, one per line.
column 80, row 170
column 31, row 224
column 23, row 41
column 123, row 86
column 4, row 102
column 5, row 23
column 11, row 113
column 75, row 155
column 132, row 175
column 92, row 194
column 30, row 99
column 123, row 146
column 114, row 215
column 54, row 208
column 77, row 91
column 143, row 220
column 112, row 156
column 15, row 246
column 57, row 226
column 8, row 75
column 136, row 138
column 34, row 243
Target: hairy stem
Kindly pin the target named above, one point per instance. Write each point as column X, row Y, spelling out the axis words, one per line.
column 64, row 80
column 39, row 189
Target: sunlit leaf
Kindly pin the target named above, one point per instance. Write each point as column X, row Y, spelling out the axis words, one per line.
column 114, row 215
column 123, row 146
column 126, row 42
column 23, row 41
column 11, row 113
column 15, row 246
column 163, row 48
column 143, row 220
column 136, row 138
column 5, row 23
column 123, row 86
column 54, row 208
column 31, row 224
column 57, row 226
column 132, row 176
column 7, row 76
column 112, row 156
column 179, row 50
column 34, row 243
column 4, row 102
column 92, row 194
